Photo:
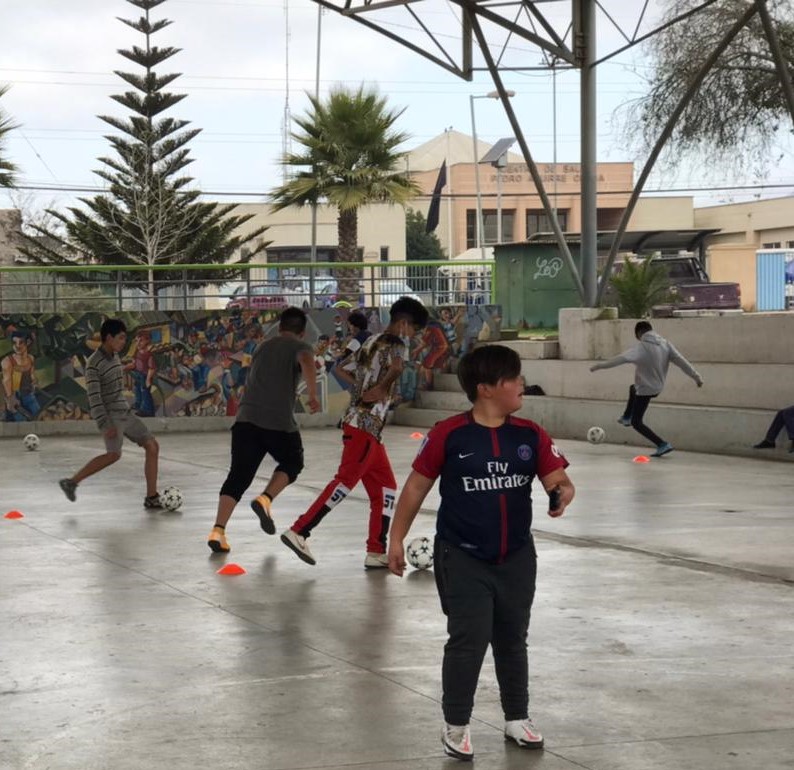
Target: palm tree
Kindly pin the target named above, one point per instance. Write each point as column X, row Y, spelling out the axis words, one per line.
column 640, row 286
column 7, row 168
column 348, row 158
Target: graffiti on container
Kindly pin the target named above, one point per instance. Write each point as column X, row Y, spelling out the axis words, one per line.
column 547, row 268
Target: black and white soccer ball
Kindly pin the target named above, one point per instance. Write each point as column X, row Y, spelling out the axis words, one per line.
column 596, row 435
column 171, row 498
column 31, row 442
column 420, row 553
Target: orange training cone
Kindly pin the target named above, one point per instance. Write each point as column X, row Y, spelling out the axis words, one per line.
column 231, row 569
column 14, row 515
column 417, row 435
column 641, row 459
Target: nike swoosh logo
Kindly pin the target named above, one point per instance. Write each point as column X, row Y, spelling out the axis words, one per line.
column 468, row 455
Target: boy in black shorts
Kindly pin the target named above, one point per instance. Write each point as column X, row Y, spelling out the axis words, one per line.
column 484, row 559
column 104, row 377
column 265, row 424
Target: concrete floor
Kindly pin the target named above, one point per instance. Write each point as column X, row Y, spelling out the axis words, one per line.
column 661, row 635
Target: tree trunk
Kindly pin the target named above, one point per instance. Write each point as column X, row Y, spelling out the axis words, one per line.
column 348, row 279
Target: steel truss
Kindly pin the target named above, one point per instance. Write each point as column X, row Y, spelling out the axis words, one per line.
column 527, row 22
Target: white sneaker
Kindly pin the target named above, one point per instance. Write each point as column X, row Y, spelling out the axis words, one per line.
column 298, row 544
column 376, row 560
column 456, row 740
column 524, row 733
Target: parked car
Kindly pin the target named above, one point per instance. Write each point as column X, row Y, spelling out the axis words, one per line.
column 296, row 289
column 260, row 297
column 388, row 291
column 691, row 288
column 330, row 296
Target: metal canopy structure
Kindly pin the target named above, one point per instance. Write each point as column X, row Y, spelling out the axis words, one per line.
column 498, row 36
column 636, row 241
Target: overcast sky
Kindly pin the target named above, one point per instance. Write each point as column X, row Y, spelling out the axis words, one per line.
column 58, row 57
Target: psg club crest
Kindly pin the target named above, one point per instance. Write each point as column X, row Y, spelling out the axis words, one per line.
column 525, row 452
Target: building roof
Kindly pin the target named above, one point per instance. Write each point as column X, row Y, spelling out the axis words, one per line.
column 452, row 146
column 636, row 240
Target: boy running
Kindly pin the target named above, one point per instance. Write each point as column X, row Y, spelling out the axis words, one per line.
column 484, row 555
column 265, row 424
column 104, row 376
column 372, row 372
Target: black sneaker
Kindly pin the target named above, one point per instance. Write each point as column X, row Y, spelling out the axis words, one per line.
column 764, row 445
column 69, row 488
column 152, row 501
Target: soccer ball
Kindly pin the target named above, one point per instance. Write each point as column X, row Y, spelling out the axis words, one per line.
column 596, row 435
column 31, row 442
column 420, row 553
column 171, row 498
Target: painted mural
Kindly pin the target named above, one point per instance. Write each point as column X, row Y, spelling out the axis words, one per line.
column 194, row 363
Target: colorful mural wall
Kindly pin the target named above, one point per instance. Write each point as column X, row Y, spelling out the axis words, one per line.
column 194, row 363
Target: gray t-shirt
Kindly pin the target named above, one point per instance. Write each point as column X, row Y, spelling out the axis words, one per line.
column 269, row 398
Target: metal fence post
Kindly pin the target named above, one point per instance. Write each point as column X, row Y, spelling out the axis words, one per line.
column 119, row 292
column 54, row 293
column 184, row 289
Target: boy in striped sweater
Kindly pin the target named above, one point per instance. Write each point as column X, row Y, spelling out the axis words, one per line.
column 104, row 376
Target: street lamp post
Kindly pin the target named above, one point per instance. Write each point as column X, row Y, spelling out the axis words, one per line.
column 313, row 249
column 480, row 227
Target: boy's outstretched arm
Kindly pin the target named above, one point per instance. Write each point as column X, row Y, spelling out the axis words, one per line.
column 411, row 498
column 623, row 358
column 309, row 373
column 559, row 478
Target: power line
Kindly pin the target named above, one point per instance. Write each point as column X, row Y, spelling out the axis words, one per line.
column 657, row 191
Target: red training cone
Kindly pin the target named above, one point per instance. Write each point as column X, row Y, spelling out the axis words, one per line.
column 417, row 435
column 14, row 515
column 231, row 569
column 641, row 459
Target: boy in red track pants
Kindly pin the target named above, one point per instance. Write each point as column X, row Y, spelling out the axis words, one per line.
column 373, row 373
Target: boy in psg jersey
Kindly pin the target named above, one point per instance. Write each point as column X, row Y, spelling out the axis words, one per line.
column 484, row 559
column 372, row 372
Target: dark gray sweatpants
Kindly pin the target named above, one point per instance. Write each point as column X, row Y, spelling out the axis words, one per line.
column 485, row 603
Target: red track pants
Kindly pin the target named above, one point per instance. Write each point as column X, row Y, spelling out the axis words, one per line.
column 364, row 459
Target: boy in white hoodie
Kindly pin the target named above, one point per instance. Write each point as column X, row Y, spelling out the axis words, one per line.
column 651, row 357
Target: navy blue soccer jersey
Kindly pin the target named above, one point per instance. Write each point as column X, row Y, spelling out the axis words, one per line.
column 485, row 481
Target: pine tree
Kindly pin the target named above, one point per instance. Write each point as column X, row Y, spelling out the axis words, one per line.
column 150, row 214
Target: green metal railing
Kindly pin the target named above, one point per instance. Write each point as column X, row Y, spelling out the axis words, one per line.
column 30, row 289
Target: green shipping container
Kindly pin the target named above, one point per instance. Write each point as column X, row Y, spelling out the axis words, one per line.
column 533, row 283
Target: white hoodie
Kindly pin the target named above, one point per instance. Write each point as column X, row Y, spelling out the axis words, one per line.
column 652, row 356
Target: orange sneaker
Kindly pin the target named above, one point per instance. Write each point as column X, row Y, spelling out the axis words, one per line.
column 261, row 507
column 217, row 541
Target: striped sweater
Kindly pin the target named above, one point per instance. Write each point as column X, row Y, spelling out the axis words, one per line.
column 104, row 376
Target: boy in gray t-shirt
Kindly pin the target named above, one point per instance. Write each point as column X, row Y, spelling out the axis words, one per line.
column 265, row 424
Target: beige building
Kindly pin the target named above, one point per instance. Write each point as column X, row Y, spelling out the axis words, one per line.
column 381, row 232
column 745, row 228
column 509, row 190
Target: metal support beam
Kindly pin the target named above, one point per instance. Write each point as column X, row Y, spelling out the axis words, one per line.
column 665, row 135
column 531, row 165
column 585, row 34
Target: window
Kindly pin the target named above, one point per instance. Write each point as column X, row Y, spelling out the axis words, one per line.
column 490, row 230
column 384, row 257
column 608, row 219
column 773, row 245
column 538, row 222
